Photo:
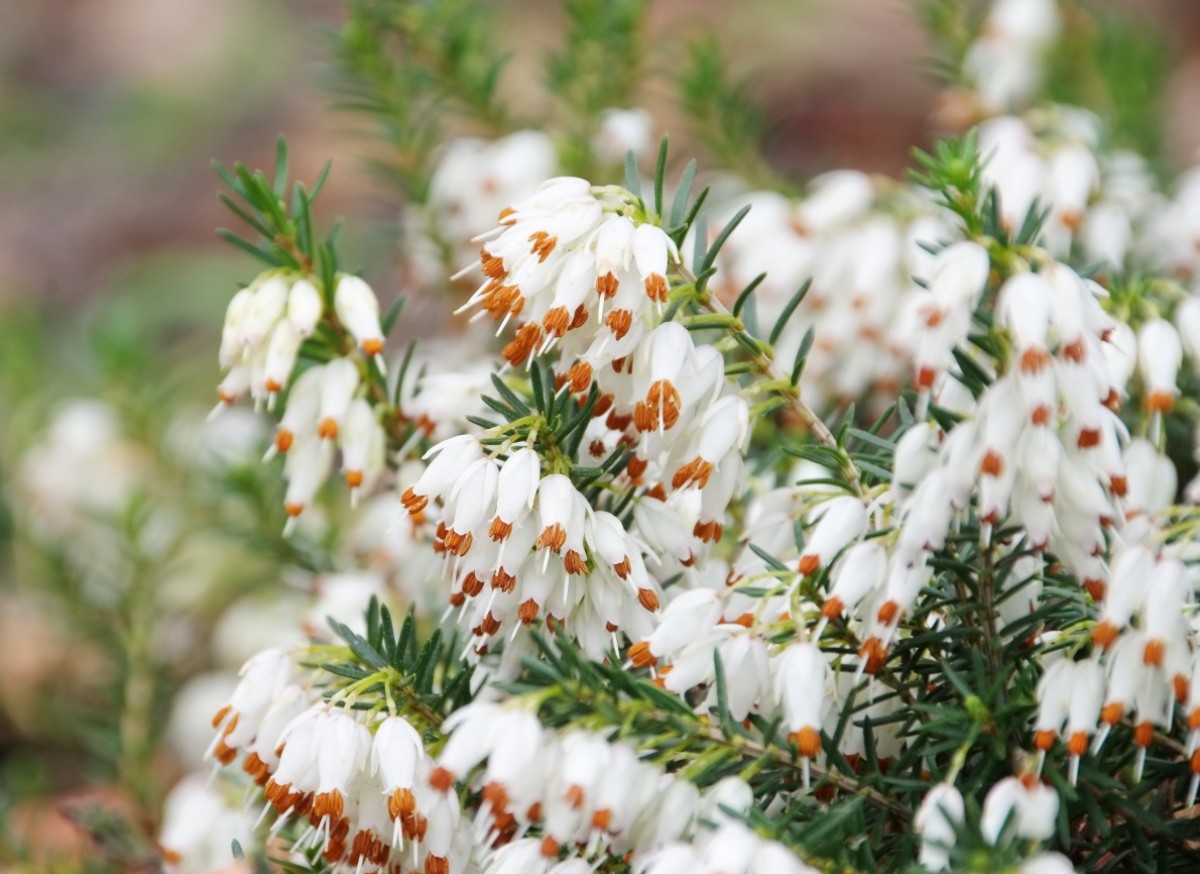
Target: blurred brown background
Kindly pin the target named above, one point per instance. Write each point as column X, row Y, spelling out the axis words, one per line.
column 110, row 111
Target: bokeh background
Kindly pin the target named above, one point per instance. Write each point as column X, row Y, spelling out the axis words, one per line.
column 110, row 113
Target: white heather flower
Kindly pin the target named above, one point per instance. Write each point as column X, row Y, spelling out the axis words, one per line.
column 1151, row 478
column 469, row 503
column 339, row 382
column 518, row 765
column 295, row 779
column 1073, row 174
column 233, row 329
column 1124, row 593
column 943, row 312
column 449, row 459
column 1069, row 693
column 1048, row 863
column 396, row 753
column 1187, row 324
column 1084, row 703
column 1028, row 807
column 562, row 516
column 475, row 179
column 747, row 672
column 262, row 758
column 234, row 384
column 266, row 307
column 861, row 569
column 842, row 519
column 940, row 815
column 1163, row 622
column 262, row 677
column 363, row 445
column 802, row 679
column 915, row 456
column 306, row 469
column 1159, row 356
column 1106, row 233
column 357, row 309
column 682, row 620
column 282, row 350
column 342, row 747
column 1024, row 308
column 299, row 420
column 1016, row 171
column 516, row 487
column 471, row 738
column 304, row 307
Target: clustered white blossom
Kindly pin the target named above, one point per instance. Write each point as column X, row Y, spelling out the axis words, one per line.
column 576, row 273
column 265, row 325
column 363, row 784
column 1020, row 809
column 594, row 798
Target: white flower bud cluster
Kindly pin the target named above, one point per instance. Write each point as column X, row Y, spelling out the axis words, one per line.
column 265, row 326
column 591, row 796
column 1052, row 158
column 730, row 849
column 325, row 413
column 1020, row 808
column 513, row 522
column 1043, row 443
column 569, row 257
column 366, row 787
column 1145, row 662
column 199, row 824
column 578, row 788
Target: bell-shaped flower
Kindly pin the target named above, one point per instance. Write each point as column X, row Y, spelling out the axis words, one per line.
column 937, row 821
column 842, row 519
column 357, row 309
column 304, row 307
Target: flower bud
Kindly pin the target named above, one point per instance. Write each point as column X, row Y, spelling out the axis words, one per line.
column 339, row 382
column 940, row 814
column 267, row 306
column 282, row 350
column 842, row 520
column 1159, row 356
column 357, row 309
column 304, row 307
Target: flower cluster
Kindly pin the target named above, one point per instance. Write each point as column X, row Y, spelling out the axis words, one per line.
column 1021, row 809
column 584, row 279
column 266, row 324
column 592, row 798
column 365, row 786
